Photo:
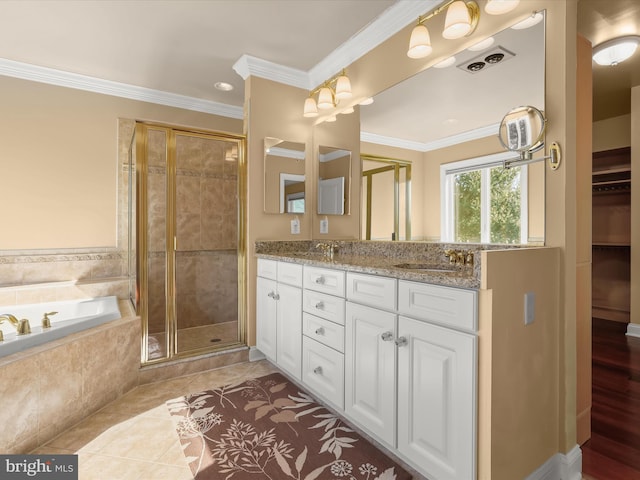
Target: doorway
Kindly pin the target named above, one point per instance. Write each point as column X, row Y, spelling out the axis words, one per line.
column 386, row 198
column 187, row 265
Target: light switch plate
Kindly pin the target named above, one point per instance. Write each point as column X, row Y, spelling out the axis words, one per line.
column 529, row 308
column 324, row 225
column 295, row 226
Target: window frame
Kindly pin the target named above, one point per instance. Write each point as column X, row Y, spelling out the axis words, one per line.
column 483, row 163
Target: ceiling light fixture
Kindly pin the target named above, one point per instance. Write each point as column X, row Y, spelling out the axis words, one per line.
column 530, row 21
column 616, row 50
column 499, row 7
column 461, row 21
column 223, row 86
column 329, row 94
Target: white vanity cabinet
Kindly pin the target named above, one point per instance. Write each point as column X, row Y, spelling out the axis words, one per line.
column 279, row 314
column 323, row 329
column 399, row 357
column 410, row 379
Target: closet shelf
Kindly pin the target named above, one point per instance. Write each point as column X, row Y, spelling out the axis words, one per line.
column 611, row 244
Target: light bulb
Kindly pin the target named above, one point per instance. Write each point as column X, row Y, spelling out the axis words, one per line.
column 419, row 43
column 457, row 22
column 499, row 7
column 343, row 87
column 310, row 108
column 325, row 99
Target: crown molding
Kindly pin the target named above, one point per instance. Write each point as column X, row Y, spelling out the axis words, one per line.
column 482, row 132
column 390, row 22
column 247, row 66
column 77, row 81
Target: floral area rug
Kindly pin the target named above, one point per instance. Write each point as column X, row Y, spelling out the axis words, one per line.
column 266, row 428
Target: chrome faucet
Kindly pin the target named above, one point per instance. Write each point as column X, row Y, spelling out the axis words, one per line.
column 22, row 326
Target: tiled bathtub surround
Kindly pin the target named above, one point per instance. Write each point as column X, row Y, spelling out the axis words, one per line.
column 49, row 388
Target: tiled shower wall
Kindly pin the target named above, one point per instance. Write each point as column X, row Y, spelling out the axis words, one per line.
column 206, row 219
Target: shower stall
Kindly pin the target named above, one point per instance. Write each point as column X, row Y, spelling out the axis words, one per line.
column 186, row 237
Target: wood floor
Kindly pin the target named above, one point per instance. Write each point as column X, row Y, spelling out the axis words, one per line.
column 613, row 452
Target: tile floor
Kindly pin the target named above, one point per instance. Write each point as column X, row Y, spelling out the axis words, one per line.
column 133, row 438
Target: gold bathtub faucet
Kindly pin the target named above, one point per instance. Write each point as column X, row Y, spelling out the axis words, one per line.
column 22, row 326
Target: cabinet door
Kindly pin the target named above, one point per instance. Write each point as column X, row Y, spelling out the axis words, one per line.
column 266, row 308
column 323, row 371
column 289, row 329
column 436, row 399
column 370, row 366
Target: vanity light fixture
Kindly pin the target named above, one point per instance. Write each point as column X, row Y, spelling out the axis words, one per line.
column 499, row 7
column 329, row 94
column 447, row 62
column 367, row 101
column 481, row 45
column 530, row 21
column 616, row 50
column 461, row 21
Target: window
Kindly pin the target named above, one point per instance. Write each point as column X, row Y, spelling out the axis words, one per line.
column 295, row 202
column 482, row 202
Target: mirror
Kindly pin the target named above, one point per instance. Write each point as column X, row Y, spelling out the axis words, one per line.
column 334, row 180
column 522, row 129
column 446, row 115
column 284, row 189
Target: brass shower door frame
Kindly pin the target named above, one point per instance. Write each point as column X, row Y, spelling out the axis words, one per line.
column 142, row 304
column 395, row 165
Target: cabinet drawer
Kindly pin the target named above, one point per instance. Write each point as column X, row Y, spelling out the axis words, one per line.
column 267, row 268
column 323, row 371
column 323, row 331
column 323, row 305
column 372, row 290
column 324, row 280
column 290, row 273
column 451, row 307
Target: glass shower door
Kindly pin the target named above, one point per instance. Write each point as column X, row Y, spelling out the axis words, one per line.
column 206, row 242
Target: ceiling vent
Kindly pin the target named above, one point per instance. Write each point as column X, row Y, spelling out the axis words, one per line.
column 487, row 59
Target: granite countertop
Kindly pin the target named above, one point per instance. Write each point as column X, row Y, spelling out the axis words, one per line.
column 422, row 270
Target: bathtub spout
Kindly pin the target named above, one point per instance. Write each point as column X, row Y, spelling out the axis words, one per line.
column 22, row 326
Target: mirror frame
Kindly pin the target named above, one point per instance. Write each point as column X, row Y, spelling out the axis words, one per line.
column 527, row 119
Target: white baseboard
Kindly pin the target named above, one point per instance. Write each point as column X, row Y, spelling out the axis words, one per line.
column 561, row 467
column 633, row 330
column 255, row 354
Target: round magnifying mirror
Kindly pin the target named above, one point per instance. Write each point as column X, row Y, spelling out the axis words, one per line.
column 522, row 129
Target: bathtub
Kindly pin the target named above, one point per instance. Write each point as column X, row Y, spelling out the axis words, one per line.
column 73, row 316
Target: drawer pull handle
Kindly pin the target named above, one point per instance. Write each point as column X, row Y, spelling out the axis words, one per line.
column 320, row 331
column 320, row 280
column 271, row 294
column 319, row 305
column 402, row 341
column 317, row 370
column 386, row 336
column 276, row 296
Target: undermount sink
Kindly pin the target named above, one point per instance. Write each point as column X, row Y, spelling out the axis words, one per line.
column 426, row 267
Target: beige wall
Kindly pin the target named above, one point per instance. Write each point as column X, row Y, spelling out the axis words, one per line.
column 518, row 368
column 612, row 133
column 583, row 239
column 59, row 162
column 635, row 206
